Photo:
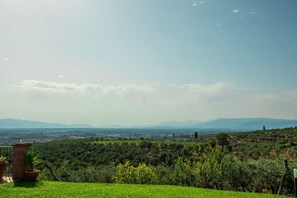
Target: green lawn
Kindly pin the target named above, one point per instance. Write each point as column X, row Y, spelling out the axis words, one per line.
column 63, row 189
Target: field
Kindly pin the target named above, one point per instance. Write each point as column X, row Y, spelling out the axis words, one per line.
column 68, row 189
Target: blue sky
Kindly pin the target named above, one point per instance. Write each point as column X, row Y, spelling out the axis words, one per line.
column 140, row 62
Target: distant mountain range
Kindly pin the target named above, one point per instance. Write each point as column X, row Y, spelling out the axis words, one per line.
column 15, row 123
column 177, row 124
column 223, row 124
column 248, row 123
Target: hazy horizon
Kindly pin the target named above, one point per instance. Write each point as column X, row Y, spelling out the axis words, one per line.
column 220, row 123
column 143, row 62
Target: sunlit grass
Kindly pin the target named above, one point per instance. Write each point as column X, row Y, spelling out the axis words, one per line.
column 67, row 189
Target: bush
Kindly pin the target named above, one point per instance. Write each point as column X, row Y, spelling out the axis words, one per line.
column 142, row 174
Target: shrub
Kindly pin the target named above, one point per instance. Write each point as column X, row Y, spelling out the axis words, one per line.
column 142, row 174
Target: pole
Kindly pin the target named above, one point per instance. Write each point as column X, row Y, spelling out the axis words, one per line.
column 295, row 182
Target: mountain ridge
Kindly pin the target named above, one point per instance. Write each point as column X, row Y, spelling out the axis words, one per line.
column 221, row 123
column 248, row 123
column 18, row 123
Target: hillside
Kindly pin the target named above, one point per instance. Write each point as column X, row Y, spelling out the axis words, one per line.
column 60, row 189
column 244, row 164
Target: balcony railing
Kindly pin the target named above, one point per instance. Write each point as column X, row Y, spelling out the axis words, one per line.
column 7, row 151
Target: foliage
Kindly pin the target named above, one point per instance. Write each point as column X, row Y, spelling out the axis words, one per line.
column 222, row 139
column 141, row 174
column 63, row 171
column 255, row 162
column 236, row 175
column 183, row 174
column 268, row 173
column 2, row 159
column 31, row 160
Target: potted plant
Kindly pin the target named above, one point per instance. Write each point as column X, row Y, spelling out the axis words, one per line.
column 31, row 160
column 3, row 165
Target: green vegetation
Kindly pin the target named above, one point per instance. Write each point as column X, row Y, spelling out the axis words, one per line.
column 251, row 162
column 65, row 189
column 184, row 142
column 31, row 160
column 276, row 144
column 2, row 159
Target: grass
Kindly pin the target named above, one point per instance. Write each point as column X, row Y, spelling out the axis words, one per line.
column 63, row 189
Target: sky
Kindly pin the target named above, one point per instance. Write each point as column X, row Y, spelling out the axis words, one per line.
column 132, row 62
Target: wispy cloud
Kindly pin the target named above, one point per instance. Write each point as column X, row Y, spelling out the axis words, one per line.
column 161, row 101
column 194, row 3
column 285, row 97
column 236, row 11
column 165, row 94
column 157, row 91
column 252, row 13
column 219, row 24
column 72, row 87
column 201, row 2
column 197, row 3
column 207, row 91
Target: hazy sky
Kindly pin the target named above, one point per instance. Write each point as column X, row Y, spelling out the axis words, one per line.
column 105, row 62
